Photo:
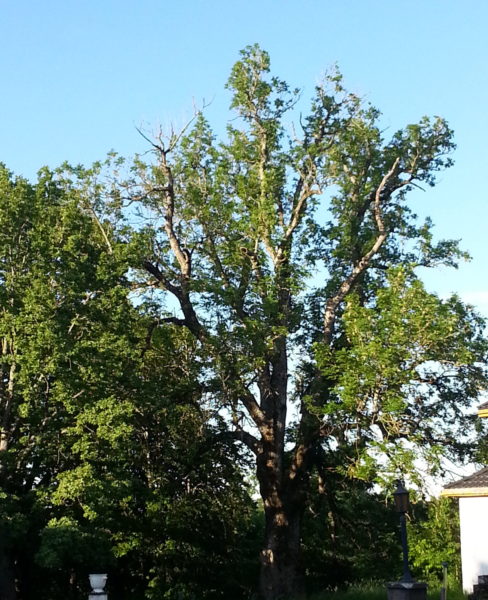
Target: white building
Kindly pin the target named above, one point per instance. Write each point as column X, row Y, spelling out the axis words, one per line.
column 472, row 492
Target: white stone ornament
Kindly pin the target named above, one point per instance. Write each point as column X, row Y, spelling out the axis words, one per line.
column 97, row 582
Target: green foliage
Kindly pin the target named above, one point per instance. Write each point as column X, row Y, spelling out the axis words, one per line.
column 434, row 539
column 57, row 287
column 397, row 370
column 375, row 591
column 108, row 459
column 155, row 313
column 349, row 536
column 66, row 544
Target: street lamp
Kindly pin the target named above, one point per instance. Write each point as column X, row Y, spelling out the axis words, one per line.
column 407, row 588
column 402, row 506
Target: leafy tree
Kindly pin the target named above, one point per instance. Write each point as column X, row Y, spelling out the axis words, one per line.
column 107, row 458
column 290, row 255
column 58, row 334
column 161, row 484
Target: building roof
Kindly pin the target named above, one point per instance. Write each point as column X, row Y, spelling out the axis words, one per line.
column 471, row 486
column 483, row 410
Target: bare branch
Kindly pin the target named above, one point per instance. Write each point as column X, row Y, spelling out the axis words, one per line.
column 304, row 192
column 101, row 228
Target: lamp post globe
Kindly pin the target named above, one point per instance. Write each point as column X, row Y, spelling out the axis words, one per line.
column 401, row 496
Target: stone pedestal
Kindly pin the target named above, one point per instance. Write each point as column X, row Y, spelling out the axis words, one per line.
column 402, row 590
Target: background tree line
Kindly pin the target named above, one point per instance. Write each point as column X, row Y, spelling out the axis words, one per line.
column 133, row 425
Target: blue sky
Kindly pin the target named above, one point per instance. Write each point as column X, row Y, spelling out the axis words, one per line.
column 78, row 77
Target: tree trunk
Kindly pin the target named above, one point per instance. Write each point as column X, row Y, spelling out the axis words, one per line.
column 281, row 568
column 281, row 486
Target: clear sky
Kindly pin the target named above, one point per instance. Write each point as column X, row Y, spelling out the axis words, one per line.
column 78, row 76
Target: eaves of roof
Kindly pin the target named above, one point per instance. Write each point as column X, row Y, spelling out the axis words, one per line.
column 472, row 486
column 483, row 410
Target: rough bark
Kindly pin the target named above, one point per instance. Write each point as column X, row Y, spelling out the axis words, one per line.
column 281, row 568
column 281, row 487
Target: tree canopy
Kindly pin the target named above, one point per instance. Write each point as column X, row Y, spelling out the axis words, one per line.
column 290, row 253
column 259, row 289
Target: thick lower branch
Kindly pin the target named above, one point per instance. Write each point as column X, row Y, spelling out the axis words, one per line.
column 248, row 440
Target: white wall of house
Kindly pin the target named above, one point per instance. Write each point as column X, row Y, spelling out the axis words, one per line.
column 473, row 513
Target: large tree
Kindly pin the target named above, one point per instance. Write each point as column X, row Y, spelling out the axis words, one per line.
column 290, row 254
